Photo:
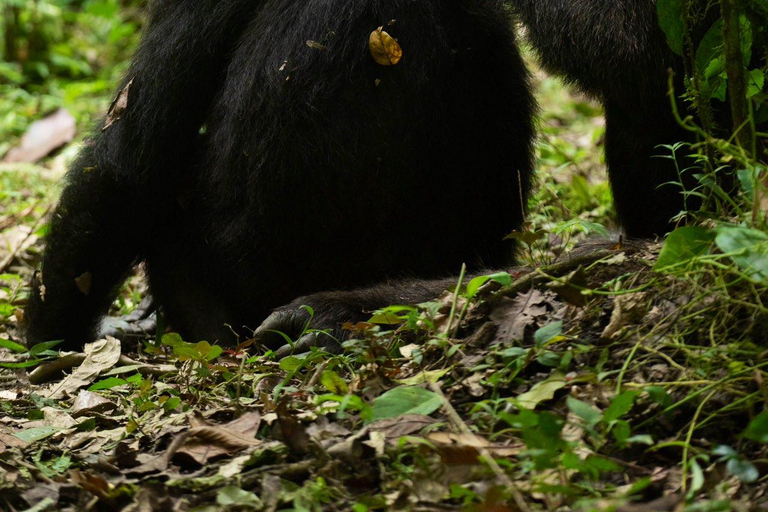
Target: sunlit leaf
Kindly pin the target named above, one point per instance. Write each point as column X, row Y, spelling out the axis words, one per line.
column 405, row 400
column 683, row 245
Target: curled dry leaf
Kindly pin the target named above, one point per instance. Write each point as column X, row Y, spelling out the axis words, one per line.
column 118, row 107
column 626, row 309
column 100, row 356
column 88, row 402
column 384, row 49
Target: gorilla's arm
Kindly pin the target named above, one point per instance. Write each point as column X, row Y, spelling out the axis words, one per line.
column 332, row 309
column 131, row 171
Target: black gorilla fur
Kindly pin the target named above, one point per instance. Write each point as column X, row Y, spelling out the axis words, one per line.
column 616, row 51
column 260, row 167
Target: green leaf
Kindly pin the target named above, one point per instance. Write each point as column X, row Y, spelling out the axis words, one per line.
column 87, row 425
column 406, row 400
column 757, row 430
column 756, row 82
column 207, row 351
column 44, row 346
column 710, row 49
column 334, row 383
column 745, row 33
column 725, row 452
column 620, row 405
column 234, row 497
column 684, row 245
column 348, row 402
column 742, row 469
column 583, row 410
column 621, row 431
column 23, row 364
column 601, row 464
column 503, row 278
column 748, row 248
column 548, row 333
column 640, row 439
column 172, row 403
column 171, row 339
column 659, row 395
column 291, row 364
column 697, row 477
column 671, row 14
column 540, row 392
column 710, row 63
column 12, row 346
column 760, row 5
column 36, row 434
column 385, row 318
column 110, row 383
column 748, row 177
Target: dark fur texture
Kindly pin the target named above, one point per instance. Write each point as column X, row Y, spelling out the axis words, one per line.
column 616, row 51
column 317, row 169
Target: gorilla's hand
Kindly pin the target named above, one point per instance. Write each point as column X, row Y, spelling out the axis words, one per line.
column 311, row 321
column 331, row 310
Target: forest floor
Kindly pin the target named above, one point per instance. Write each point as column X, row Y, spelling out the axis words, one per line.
column 596, row 378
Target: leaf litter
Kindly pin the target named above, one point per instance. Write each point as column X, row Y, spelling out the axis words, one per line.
column 534, row 399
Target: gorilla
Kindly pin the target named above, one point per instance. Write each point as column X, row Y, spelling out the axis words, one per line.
column 265, row 154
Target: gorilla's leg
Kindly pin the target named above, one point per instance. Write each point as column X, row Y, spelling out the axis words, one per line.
column 648, row 184
column 615, row 51
column 130, row 173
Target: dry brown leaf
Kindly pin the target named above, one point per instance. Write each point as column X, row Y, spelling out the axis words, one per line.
column 474, row 443
column 405, row 425
column 384, row 49
column 569, row 288
column 118, row 107
column 203, row 443
column 94, row 484
column 14, row 241
column 9, row 441
column 664, row 504
column 292, row 431
column 100, row 355
column 626, row 309
column 43, row 136
column 88, row 402
column 514, row 316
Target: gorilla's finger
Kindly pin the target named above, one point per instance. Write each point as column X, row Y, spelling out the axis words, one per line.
column 283, row 323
